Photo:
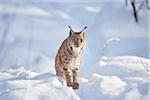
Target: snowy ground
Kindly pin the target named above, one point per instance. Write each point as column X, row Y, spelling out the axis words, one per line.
column 22, row 84
column 115, row 64
column 117, row 78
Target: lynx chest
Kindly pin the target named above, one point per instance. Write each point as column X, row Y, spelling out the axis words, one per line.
column 75, row 60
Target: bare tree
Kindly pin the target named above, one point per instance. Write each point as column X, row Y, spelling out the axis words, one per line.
column 134, row 10
column 137, row 6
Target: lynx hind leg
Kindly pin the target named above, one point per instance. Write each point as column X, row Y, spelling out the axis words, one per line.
column 75, row 78
column 68, row 77
column 59, row 72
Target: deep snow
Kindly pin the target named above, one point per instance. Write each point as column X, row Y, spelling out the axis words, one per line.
column 115, row 64
column 22, row 84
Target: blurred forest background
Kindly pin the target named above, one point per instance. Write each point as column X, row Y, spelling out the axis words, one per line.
column 32, row 31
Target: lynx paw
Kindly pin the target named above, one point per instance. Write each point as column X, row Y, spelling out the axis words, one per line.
column 75, row 85
column 69, row 84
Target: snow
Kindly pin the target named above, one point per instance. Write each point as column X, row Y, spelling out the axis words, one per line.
column 105, row 83
column 117, row 80
column 112, row 39
column 124, row 65
column 115, row 63
column 26, row 10
column 62, row 14
column 93, row 9
column 41, row 62
column 133, row 95
column 23, row 84
column 26, row 85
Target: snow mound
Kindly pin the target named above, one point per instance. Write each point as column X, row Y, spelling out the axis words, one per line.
column 124, row 66
column 114, row 88
column 20, row 84
column 16, row 73
column 138, row 90
column 98, row 86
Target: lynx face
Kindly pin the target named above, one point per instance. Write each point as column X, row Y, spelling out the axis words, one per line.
column 77, row 38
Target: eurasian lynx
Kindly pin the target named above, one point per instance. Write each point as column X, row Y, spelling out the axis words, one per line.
column 67, row 61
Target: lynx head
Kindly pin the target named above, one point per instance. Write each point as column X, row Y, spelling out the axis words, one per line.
column 78, row 38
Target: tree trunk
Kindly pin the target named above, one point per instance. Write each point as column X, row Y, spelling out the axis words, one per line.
column 134, row 10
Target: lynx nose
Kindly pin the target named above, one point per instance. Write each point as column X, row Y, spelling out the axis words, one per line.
column 78, row 45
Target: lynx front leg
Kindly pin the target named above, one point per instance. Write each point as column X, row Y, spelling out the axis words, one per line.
column 68, row 78
column 75, row 73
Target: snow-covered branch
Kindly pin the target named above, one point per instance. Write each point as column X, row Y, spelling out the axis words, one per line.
column 108, row 42
column 145, row 65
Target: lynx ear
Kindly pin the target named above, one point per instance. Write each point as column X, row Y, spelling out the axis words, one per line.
column 84, row 29
column 82, row 32
column 71, row 31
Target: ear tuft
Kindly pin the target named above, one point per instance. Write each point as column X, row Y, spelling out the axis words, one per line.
column 85, row 27
column 70, row 33
column 69, row 26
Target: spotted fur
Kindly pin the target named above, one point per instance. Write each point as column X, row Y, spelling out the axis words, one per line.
column 68, row 58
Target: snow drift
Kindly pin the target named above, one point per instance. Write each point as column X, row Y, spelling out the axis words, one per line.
column 21, row 84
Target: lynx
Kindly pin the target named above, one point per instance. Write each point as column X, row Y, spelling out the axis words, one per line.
column 68, row 58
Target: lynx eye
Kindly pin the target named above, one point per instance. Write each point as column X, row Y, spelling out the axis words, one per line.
column 81, row 40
